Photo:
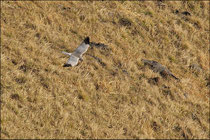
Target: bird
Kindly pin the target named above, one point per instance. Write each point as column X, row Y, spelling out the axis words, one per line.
column 157, row 67
column 77, row 54
column 81, row 49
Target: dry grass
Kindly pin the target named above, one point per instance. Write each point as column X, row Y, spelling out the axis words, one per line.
column 41, row 99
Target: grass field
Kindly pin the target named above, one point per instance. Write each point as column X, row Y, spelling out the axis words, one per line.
column 120, row 99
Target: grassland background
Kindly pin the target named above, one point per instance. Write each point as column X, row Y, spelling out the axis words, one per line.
column 41, row 99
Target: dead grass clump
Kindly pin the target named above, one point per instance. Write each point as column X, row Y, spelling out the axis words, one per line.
column 111, row 94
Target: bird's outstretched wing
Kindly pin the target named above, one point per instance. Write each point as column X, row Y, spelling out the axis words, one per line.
column 82, row 48
column 72, row 61
column 66, row 53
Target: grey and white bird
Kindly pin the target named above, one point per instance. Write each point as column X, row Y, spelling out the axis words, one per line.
column 77, row 54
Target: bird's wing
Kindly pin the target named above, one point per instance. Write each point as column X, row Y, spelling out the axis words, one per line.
column 66, row 53
column 73, row 60
column 81, row 49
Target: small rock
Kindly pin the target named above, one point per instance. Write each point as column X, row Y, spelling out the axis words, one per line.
column 14, row 62
column 177, row 11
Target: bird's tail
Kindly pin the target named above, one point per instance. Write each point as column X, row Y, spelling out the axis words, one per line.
column 66, row 53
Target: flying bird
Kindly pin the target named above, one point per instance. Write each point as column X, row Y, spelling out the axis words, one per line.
column 77, row 54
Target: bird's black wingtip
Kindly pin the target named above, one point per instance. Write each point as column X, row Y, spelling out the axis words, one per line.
column 67, row 65
column 87, row 40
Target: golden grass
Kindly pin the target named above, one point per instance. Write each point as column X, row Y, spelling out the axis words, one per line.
column 41, row 99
